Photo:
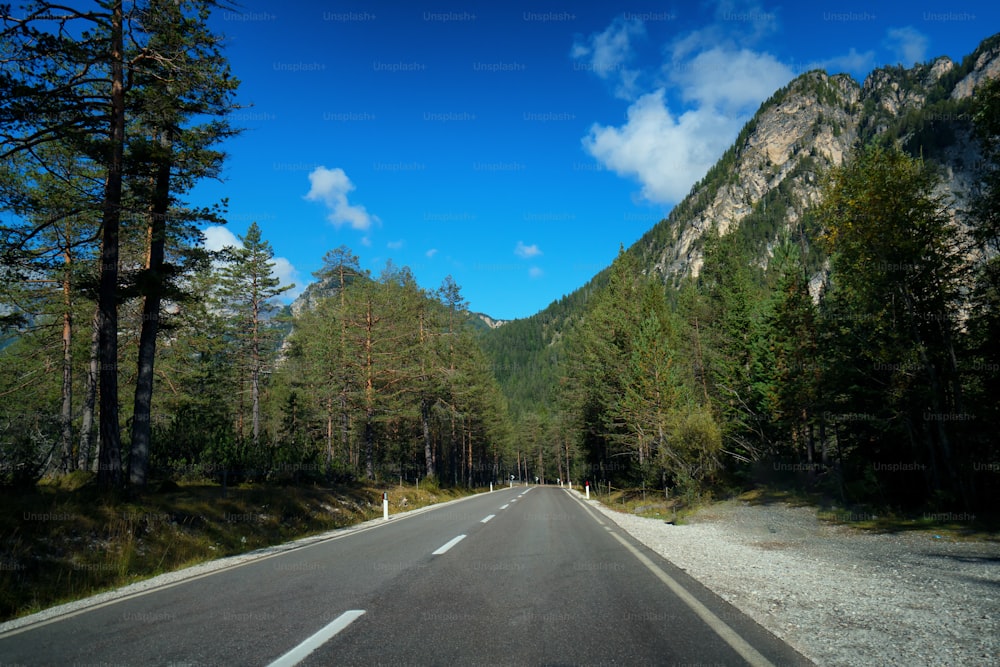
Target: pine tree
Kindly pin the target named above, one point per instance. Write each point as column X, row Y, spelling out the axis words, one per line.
column 87, row 80
column 792, row 385
column 69, row 87
column 599, row 368
column 51, row 249
column 897, row 272
column 730, row 342
column 340, row 270
column 246, row 293
column 182, row 74
column 982, row 369
column 450, row 296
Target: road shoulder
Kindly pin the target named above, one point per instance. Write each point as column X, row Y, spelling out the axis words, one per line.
column 837, row 595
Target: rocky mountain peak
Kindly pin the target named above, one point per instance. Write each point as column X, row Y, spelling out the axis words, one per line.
column 987, row 66
column 806, row 126
column 772, row 175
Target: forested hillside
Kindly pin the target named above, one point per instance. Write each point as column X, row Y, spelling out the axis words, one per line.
column 107, row 291
column 823, row 305
column 820, row 308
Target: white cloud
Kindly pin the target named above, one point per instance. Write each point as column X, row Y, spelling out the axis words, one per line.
column 526, row 251
column 430, row 253
column 732, row 81
column 719, row 82
column 331, row 186
column 535, row 272
column 218, row 237
column 395, row 245
column 606, row 54
column 288, row 275
column 907, row 44
column 665, row 153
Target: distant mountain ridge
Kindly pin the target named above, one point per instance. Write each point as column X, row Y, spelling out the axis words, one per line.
column 764, row 185
column 489, row 321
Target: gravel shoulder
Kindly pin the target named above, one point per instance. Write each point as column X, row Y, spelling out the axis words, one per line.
column 838, row 595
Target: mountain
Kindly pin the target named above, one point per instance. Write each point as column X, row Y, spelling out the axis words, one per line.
column 489, row 321
column 327, row 287
column 764, row 185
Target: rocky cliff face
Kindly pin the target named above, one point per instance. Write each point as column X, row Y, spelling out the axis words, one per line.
column 808, row 127
column 764, row 186
column 489, row 321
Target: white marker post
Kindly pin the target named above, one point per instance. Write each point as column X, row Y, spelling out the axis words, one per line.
column 385, row 505
column 587, row 486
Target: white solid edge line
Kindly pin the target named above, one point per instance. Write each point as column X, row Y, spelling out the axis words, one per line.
column 487, row 518
column 300, row 652
column 449, row 545
column 728, row 635
column 16, row 626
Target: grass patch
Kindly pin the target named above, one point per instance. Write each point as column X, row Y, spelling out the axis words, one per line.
column 789, row 496
column 649, row 504
column 974, row 526
column 64, row 540
column 949, row 525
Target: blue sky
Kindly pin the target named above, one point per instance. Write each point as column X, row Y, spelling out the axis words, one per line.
column 515, row 145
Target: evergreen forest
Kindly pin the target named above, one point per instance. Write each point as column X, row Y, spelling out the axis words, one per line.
column 860, row 360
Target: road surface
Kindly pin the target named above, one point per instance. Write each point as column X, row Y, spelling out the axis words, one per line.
column 522, row 576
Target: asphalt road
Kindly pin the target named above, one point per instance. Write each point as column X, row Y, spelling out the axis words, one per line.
column 522, row 576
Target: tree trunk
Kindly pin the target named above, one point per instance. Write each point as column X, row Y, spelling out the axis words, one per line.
column 369, row 432
column 566, row 443
column 454, row 450
column 425, row 408
column 470, row 463
column 559, row 468
column 153, row 288
column 345, row 423
column 255, row 376
column 425, row 423
column 701, row 361
column 109, row 472
column 369, row 438
column 329, row 432
column 67, row 462
column 90, row 395
column 807, row 437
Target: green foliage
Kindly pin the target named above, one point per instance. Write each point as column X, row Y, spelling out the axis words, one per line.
column 391, row 380
column 895, row 301
column 631, row 390
column 730, row 314
column 981, row 367
column 790, row 380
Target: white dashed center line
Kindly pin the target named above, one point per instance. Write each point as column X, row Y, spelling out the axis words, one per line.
column 449, row 545
column 302, row 651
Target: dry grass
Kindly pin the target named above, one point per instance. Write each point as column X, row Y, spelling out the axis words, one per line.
column 65, row 540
